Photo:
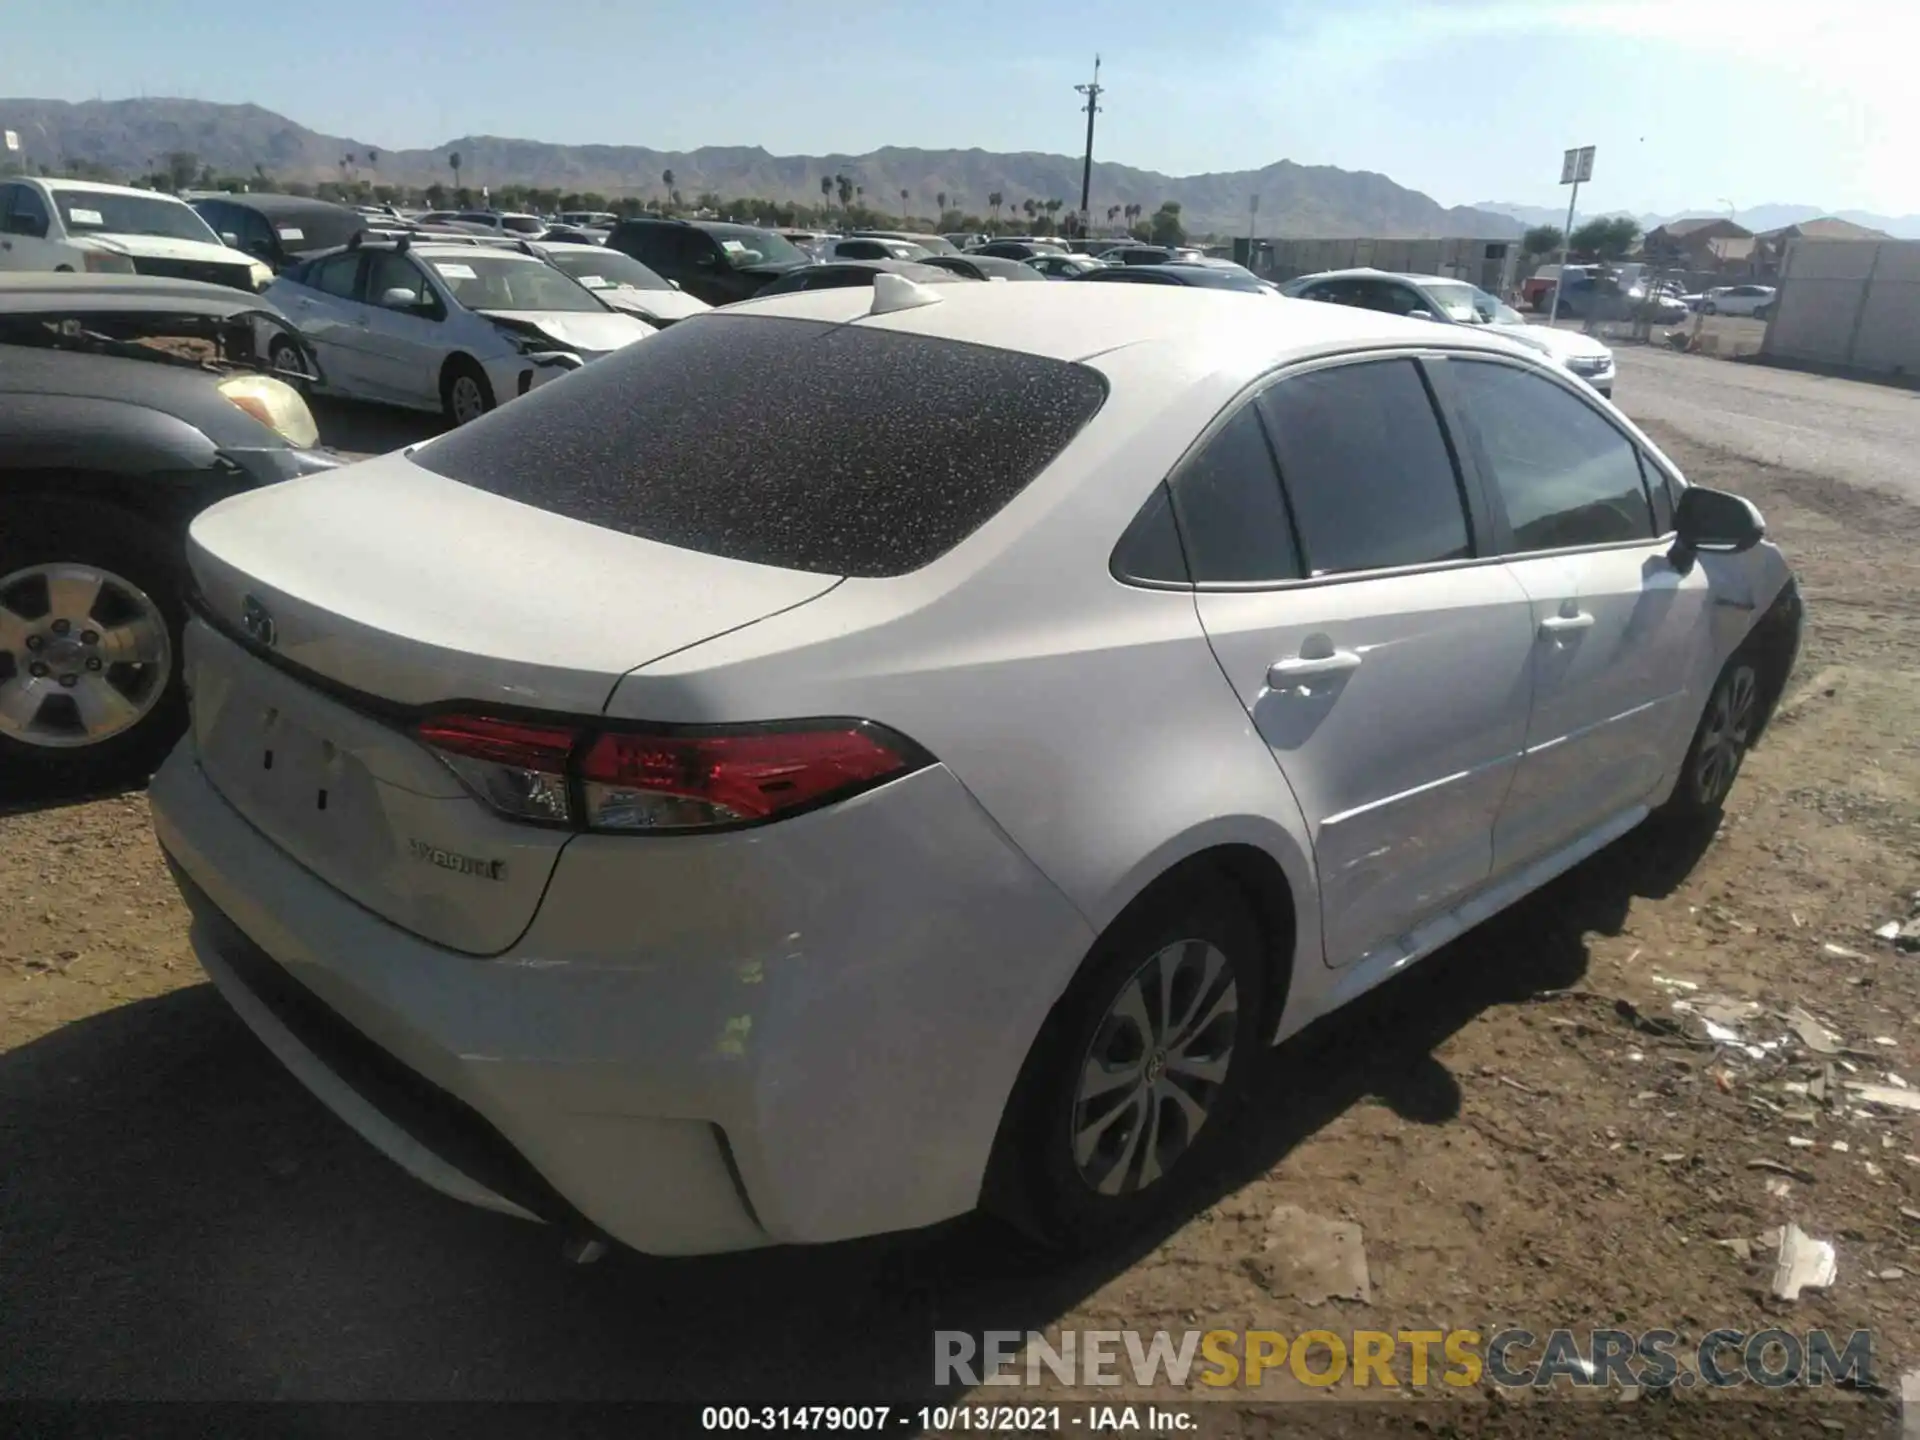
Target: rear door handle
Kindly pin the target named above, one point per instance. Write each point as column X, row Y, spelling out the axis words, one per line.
column 1283, row 672
column 1559, row 624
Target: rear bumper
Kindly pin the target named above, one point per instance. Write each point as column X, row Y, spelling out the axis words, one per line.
column 719, row 1046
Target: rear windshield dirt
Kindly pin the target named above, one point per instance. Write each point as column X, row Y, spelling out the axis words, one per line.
column 837, row 449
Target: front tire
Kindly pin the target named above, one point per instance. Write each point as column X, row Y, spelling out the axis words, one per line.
column 1728, row 726
column 288, row 364
column 465, row 394
column 1136, row 1078
column 90, row 653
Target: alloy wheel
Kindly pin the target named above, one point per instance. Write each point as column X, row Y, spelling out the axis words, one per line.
column 84, row 655
column 468, row 402
column 1155, row 1068
column 1724, row 733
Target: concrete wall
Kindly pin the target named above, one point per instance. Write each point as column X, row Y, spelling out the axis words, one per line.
column 1849, row 303
column 1461, row 259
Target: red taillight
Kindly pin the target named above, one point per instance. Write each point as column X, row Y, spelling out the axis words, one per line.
column 517, row 767
column 634, row 780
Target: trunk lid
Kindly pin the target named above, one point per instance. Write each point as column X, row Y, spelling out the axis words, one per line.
column 411, row 589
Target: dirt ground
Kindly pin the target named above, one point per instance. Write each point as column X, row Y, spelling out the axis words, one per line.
column 178, row 1219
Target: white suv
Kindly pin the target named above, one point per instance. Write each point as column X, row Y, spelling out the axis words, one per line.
column 80, row 225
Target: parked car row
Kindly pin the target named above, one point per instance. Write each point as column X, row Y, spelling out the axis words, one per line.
column 1441, row 300
column 1627, row 291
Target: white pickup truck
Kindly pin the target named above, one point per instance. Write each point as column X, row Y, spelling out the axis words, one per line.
column 79, row 225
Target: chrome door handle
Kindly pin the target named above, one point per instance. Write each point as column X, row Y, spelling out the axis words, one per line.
column 1283, row 672
column 1557, row 624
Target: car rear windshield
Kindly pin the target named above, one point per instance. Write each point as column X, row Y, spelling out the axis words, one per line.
column 837, row 449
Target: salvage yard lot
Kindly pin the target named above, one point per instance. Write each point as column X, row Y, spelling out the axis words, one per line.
column 181, row 1220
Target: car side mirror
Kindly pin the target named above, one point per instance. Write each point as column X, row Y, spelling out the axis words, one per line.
column 400, row 298
column 1419, row 315
column 1713, row 522
column 229, row 239
column 675, row 284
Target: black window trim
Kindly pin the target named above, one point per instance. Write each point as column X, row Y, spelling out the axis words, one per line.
column 1502, row 530
column 1482, row 526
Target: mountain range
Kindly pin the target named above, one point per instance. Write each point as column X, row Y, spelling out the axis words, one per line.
column 1758, row 219
column 134, row 137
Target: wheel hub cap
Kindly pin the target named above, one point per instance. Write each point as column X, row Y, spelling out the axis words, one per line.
column 1155, row 1068
column 1724, row 736
column 84, row 655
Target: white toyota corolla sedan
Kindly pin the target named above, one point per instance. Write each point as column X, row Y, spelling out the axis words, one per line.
column 453, row 328
column 866, row 754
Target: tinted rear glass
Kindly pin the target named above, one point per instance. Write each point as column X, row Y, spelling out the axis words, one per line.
column 831, row 448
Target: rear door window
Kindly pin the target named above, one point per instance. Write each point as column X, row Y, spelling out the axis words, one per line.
column 1366, row 468
column 1233, row 518
column 786, row 442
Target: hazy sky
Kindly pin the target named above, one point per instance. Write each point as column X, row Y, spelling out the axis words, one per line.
column 1692, row 104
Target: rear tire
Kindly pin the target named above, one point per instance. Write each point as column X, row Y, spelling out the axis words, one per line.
column 465, row 394
column 1136, row 1078
column 125, row 706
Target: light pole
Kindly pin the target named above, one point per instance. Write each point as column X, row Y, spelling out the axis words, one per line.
column 1092, row 91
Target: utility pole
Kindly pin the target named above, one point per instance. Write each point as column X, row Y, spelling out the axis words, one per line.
column 1092, row 91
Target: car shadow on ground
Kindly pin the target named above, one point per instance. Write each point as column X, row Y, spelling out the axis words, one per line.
column 358, row 429
column 183, row 1221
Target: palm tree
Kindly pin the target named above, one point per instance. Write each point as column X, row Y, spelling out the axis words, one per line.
column 826, row 190
column 941, row 201
column 993, row 203
column 860, row 194
column 903, row 204
column 1052, row 208
column 1028, row 207
column 453, row 161
column 1113, row 213
column 666, row 181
